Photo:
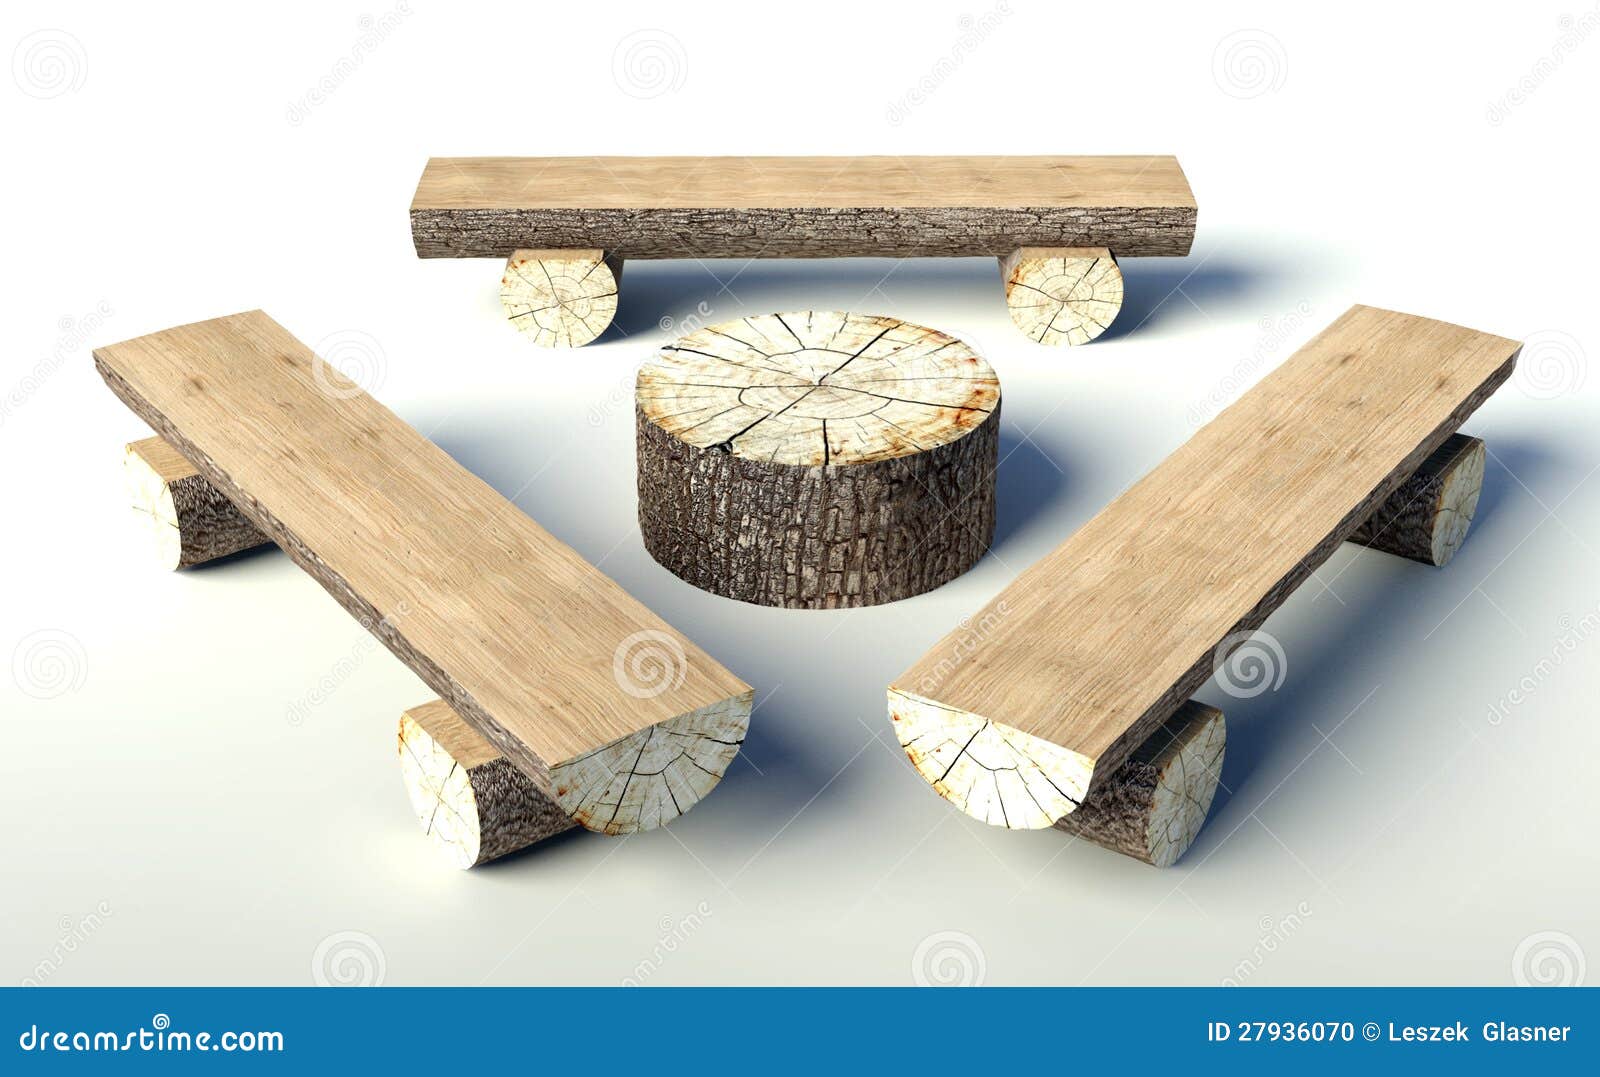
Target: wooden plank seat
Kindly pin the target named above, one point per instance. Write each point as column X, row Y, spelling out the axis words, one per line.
column 609, row 712
column 1056, row 224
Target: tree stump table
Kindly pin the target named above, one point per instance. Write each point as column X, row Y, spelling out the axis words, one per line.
column 818, row 459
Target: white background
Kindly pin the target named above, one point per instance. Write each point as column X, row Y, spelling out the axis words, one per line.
column 162, row 769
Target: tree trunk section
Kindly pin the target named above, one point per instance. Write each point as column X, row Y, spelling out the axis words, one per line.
column 1062, row 295
column 1428, row 517
column 561, row 299
column 1154, row 805
column 468, row 797
column 817, row 460
column 189, row 521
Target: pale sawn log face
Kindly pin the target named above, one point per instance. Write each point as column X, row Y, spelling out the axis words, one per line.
column 326, row 472
column 189, row 522
column 817, row 459
column 817, row 388
column 468, row 797
column 1096, row 645
column 561, row 299
column 801, row 207
column 1066, row 295
column 993, row 772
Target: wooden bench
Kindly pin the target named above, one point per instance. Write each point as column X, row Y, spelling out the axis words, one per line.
column 566, row 224
column 609, row 712
column 1089, row 651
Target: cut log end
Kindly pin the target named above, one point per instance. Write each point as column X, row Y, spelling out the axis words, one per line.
column 561, row 299
column 994, row 773
column 1062, row 295
column 650, row 778
column 1153, row 806
column 817, row 459
column 469, row 798
column 1428, row 517
column 188, row 520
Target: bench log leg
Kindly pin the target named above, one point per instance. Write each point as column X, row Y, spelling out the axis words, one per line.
column 468, row 797
column 188, row 520
column 561, row 298
column 1062, row 295
column 1428, row 517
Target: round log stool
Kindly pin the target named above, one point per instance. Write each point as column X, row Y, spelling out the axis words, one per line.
column 817, row 459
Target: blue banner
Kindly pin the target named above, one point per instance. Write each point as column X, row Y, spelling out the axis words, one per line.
column 999, row 1030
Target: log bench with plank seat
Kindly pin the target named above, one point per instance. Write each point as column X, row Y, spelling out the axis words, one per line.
column 476, row 806
column 1057, row 225
column 1093, row 648
column 611, row 714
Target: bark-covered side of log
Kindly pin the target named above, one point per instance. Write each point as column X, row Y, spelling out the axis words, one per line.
column 817, row 537
column 1154, row 805
column 207, row 524
column 803, row 232
column 1427, row 518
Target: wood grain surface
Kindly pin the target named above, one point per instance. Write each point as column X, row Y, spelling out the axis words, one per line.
column 550, row 660
column 673, row 207
column 1087, row 652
